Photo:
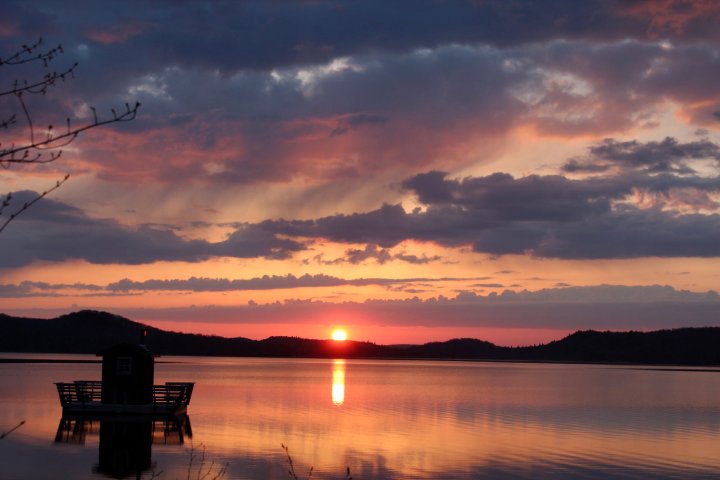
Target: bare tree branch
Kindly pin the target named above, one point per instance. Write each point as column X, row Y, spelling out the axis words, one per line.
column 29, row 53
column 40, row 86
column 25, row 206
column 45, row 148
column 10, row 155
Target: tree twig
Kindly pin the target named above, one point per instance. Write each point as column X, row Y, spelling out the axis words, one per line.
column 26, row 205
column 59, row 141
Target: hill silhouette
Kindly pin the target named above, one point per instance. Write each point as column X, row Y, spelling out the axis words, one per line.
column 90, row 331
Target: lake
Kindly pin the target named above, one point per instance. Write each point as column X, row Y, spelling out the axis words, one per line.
column 383, row 420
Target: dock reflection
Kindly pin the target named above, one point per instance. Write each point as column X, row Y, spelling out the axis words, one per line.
column 338, row 382
column 125, row 447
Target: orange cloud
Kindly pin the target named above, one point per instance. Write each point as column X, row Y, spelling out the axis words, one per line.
column 671, row 16
column 117, row 33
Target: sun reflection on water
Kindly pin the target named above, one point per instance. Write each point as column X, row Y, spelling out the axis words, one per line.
column 338, row 382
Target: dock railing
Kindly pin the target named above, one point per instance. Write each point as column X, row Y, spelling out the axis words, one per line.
column 88, row 392
column 79, row 392
column 173, row 394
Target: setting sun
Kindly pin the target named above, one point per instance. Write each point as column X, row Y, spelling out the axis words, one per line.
column 339, row 334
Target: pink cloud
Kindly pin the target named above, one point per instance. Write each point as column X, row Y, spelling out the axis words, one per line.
column 240, row 151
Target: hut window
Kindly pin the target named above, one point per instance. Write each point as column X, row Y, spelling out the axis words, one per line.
column 124, row 365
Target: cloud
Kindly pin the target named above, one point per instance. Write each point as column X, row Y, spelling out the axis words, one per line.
column 605, row 294
column 54, row 231
column 417, row 260
column 359, row 116
column 544, row 216
column 117, row 33
column 373, row 112
column 355, row 256
column 381, row 256
column 354, row 121
column 613, row 216
column 601, row 88
column 260, row 35
column 27, row 289
column 204, row 284
column 601, row 307
column 668, row 155
column 368, row 110
column 260, row 283
column 681, row 18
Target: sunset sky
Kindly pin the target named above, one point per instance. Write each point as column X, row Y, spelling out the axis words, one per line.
column 409, row 170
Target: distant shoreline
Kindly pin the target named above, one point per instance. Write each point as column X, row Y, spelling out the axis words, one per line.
column 89, row 332
column 56, row 360
column 44, row 360
column 629, row 365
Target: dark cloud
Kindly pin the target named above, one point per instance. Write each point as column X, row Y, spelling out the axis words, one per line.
column 231, row 36
column 203, row 284
column 320, row 123
column 267, row 282
column 501, row 197
column 250, row 241
column 54, row 231
column 274, row 126
column 668, row 155
column 356, row 256
column 42, row 289
column 351, row 113
column 223, row 284
column 633, row 233
column 417, row 260
column 545, row 216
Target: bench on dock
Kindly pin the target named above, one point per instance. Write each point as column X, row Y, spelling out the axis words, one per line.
column 87, row 395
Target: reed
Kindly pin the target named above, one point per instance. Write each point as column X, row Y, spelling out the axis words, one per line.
column 198, row 467
column 291, row 467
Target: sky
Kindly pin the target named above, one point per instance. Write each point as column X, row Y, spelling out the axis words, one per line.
column 411, row 171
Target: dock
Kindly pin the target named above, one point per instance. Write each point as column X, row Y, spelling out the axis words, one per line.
column 126, row 389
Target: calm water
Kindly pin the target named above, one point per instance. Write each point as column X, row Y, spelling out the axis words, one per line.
column 399, row 419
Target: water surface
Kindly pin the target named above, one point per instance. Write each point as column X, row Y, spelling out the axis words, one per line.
column 393, row 419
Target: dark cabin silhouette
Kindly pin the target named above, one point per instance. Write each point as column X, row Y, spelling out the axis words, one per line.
column 127, row 375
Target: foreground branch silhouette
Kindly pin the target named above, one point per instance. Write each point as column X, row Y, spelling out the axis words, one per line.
column 5, row 434
column 26, row 145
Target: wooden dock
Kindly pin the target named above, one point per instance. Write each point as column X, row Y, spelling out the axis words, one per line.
column 85, row 397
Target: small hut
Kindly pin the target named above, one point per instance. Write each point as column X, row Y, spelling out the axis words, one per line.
column 127, row 375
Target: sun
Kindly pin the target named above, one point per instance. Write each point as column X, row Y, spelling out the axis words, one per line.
column 339, row 334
